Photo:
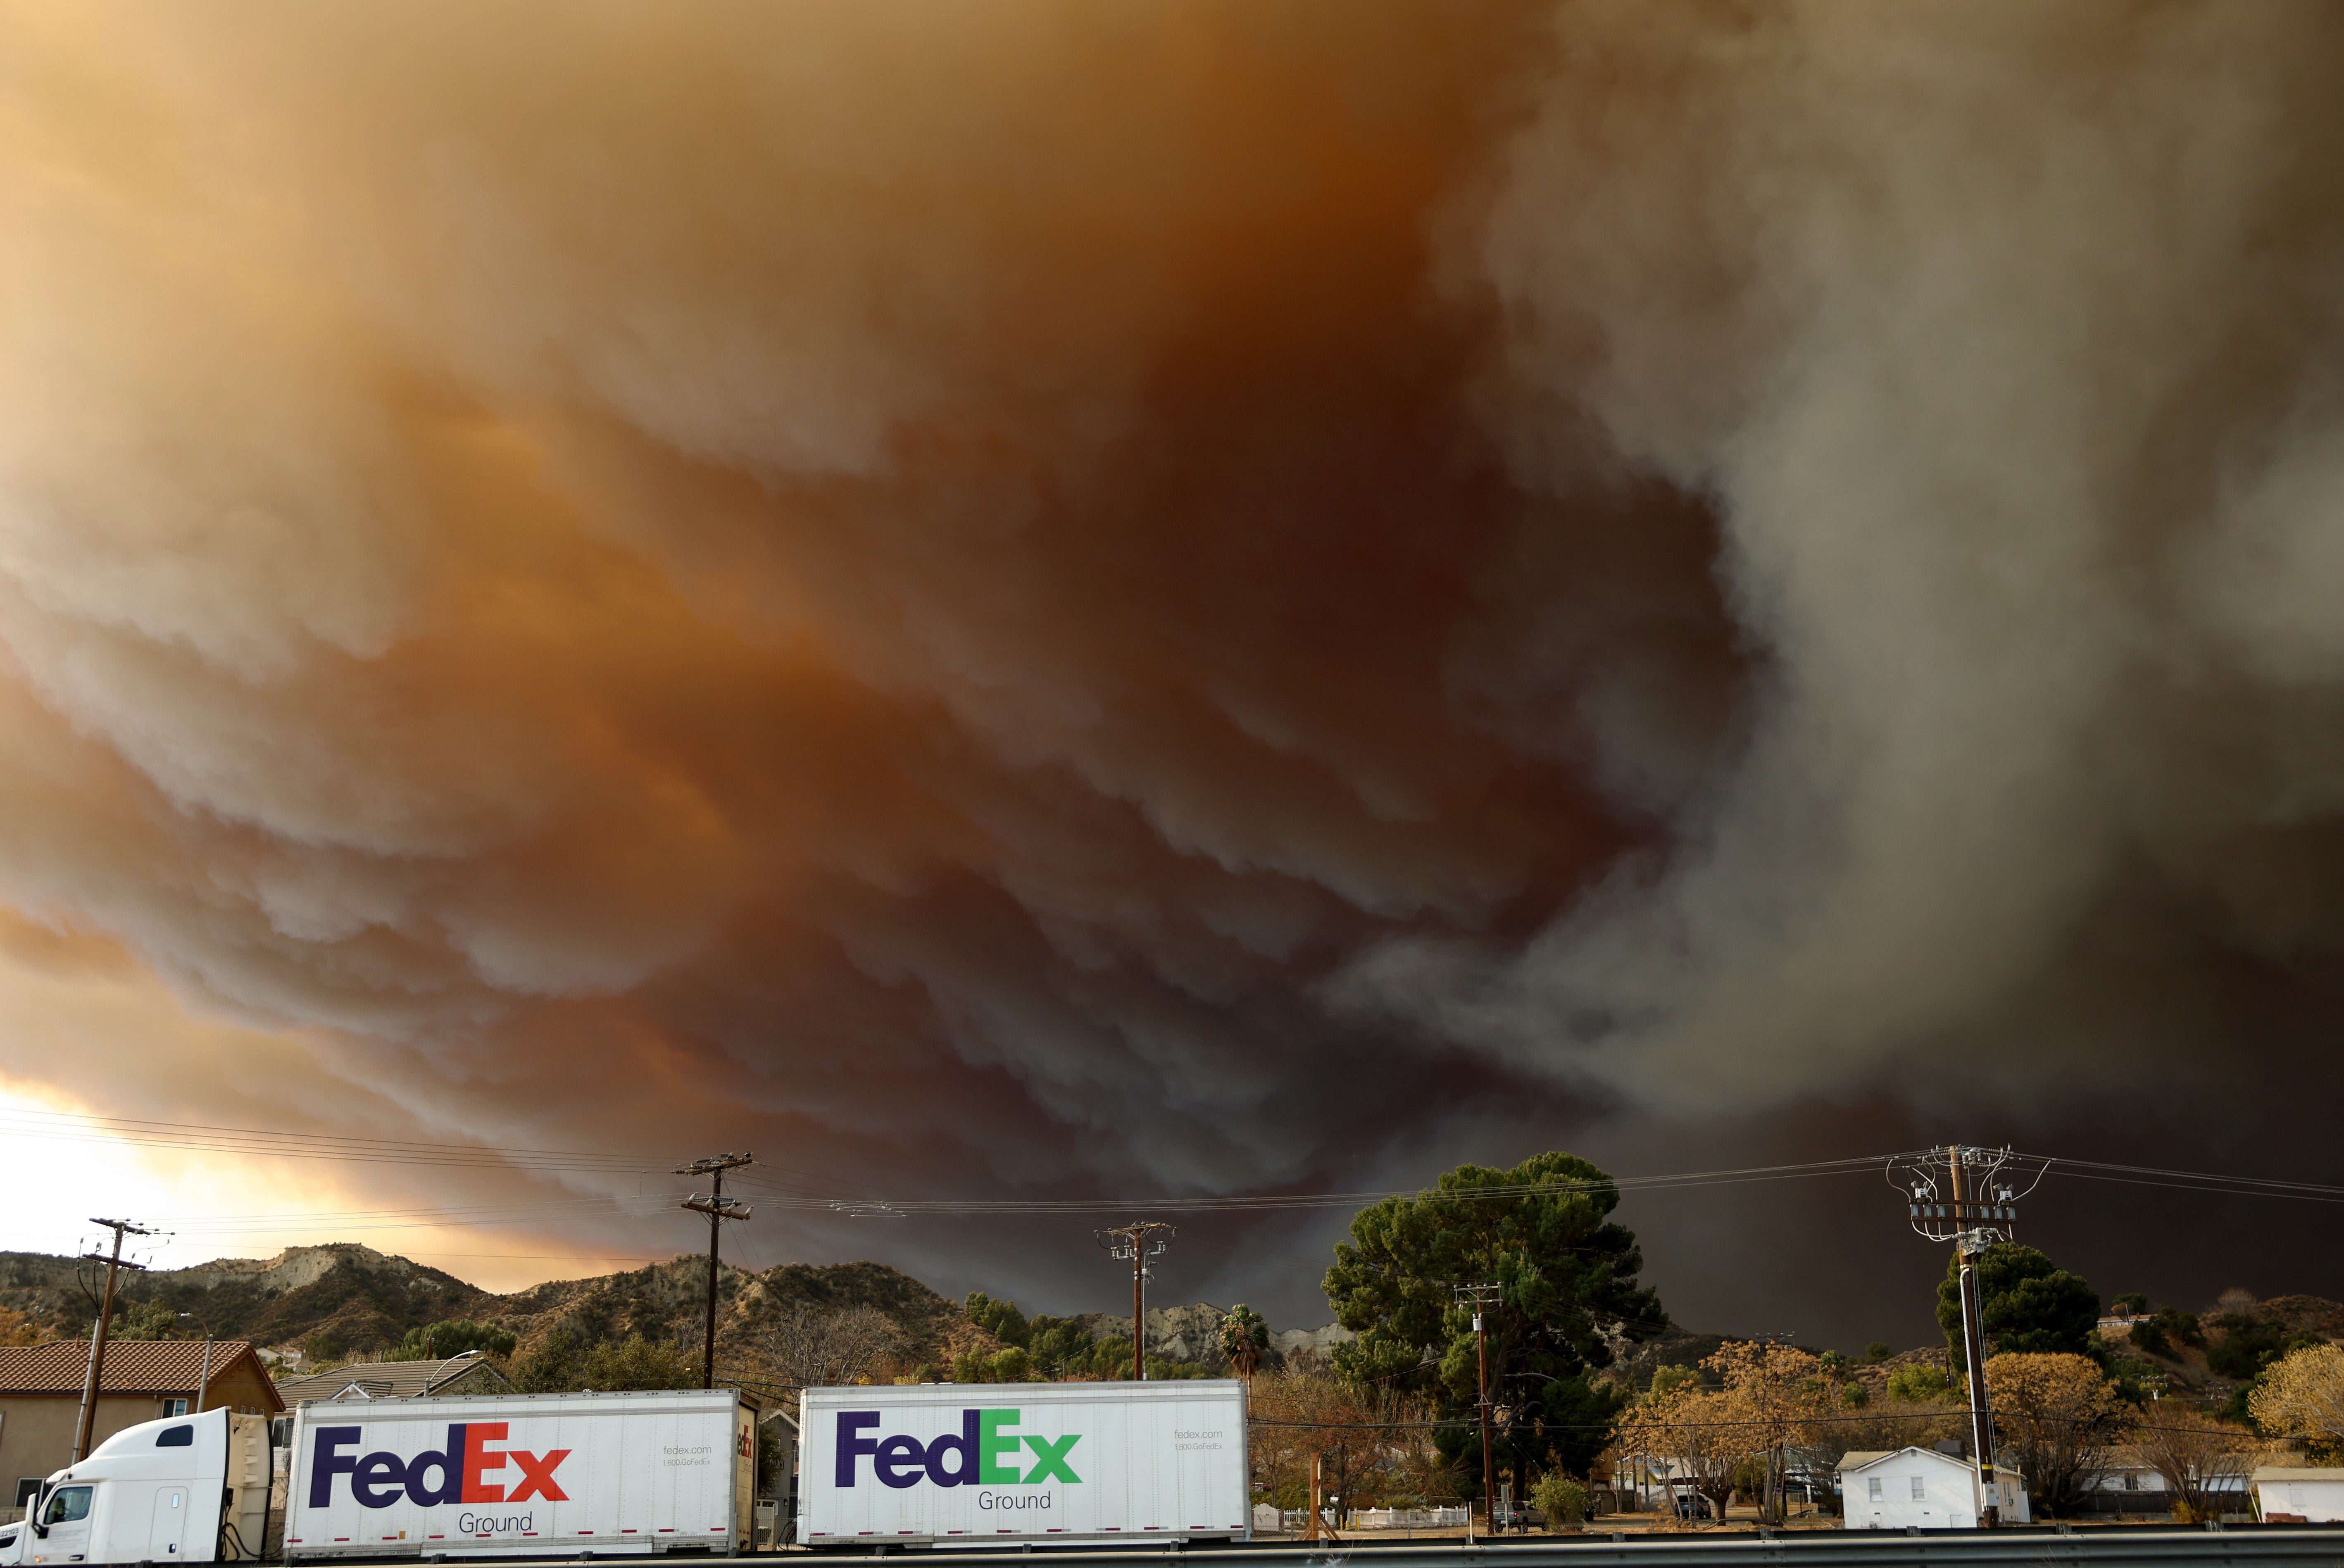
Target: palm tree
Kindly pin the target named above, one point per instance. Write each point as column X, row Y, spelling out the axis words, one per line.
column 1244, row 1337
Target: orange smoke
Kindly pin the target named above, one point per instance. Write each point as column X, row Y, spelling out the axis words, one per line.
column 1036, row 596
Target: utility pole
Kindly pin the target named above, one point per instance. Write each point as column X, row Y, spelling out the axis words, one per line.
column 718, row 1211
column 1972, row 1242
column 113, row 1265
column 1980, row 1213
column 1139, row 1241
column 1478, row 1297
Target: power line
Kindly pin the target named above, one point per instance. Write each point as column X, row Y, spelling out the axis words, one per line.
column 799, row 1192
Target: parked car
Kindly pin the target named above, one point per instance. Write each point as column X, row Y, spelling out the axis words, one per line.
column 1693, row 1506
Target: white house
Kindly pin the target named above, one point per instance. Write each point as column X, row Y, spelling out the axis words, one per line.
column 1899, row 1488
column 2291, row 1495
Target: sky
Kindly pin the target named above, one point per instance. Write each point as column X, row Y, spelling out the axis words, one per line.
column 1034, row 602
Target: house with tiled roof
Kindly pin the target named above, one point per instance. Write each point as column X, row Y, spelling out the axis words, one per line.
column 145, row 1379
column 470, row 1373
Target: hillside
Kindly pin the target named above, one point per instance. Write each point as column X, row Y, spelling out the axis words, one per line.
column 339, row 1296
column 312, row 1305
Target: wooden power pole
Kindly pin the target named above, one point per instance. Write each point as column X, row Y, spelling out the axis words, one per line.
column 1479, row 1297
column 718, row 1211
column 1139, row 1241
column 1970, row 1243
column 1982, row 1212
column 91, row 1379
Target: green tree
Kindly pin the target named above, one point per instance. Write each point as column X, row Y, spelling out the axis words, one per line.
column 635, row 1363
column 1001, row 1319
column 1540, row 1232
column 1060, row 1346
column 556, row 1364
column 549, row 1366
column 1566, row 1291
column 143, row 1320
column 1567, row 1421
column 442, row 1340
column 1245, row 1339
column 2028, row 1305
column 1008, row 1366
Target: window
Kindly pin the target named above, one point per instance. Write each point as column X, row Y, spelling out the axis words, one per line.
column 175, row 1437
column 1920, row 1489
column 66, row 1504
column 25, row 1487
column 1875, row 1489
column 174, row 1407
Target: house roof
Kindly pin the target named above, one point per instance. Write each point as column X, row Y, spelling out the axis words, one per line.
column 2289, row 1472
column 1864, row 1458
column 132, row 1366
column 390, row 1380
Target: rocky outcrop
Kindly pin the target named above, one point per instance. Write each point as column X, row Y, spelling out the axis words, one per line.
column 1317, row 1342
column 1193, row 1333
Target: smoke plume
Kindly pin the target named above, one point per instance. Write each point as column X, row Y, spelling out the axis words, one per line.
column 1028, row 598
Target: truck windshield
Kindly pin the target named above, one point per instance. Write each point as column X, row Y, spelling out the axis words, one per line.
column 66, row 1504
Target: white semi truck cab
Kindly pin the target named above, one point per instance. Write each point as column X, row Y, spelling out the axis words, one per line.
column 186, row 1489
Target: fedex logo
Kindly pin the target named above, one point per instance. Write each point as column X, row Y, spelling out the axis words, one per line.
column 979, row 1454
column 457, row 1473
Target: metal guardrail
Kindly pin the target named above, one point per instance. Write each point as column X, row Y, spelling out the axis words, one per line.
column 2014, row 1546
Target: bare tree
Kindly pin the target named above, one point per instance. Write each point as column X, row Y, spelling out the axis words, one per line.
column 802, row 1347
column 1374, row 1446
column 1701, row 1438
column 2204, row 1461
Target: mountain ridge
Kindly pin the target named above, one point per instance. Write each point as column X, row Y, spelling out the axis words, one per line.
column 330, row 1302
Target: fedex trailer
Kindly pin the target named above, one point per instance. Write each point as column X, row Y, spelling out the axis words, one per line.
column 984, row 1465
column 522, row 1475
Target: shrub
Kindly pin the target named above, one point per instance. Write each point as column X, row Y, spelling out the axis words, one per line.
column 442, row 1340
column 2157, row 1335
column 1914, row 1385
column 1668, row 1379
column 1565, row 1503
column 2250, row 1345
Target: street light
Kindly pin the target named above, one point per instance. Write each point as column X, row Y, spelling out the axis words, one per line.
column 204, row 1381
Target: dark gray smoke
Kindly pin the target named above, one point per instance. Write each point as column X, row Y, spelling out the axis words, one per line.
column 1125, row 599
